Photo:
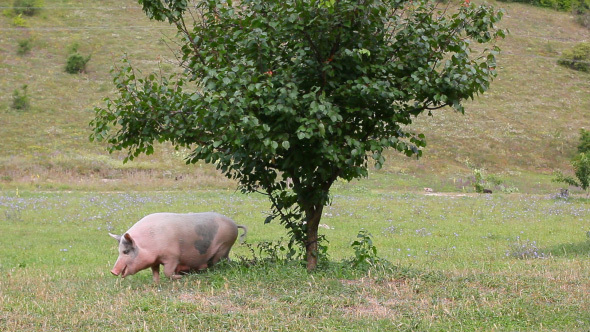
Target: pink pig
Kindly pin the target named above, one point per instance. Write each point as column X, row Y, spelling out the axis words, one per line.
column 180, row 242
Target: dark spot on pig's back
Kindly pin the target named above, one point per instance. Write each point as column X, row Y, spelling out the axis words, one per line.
column 206, row 232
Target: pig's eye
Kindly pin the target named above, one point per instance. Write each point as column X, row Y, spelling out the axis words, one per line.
column 126, row 251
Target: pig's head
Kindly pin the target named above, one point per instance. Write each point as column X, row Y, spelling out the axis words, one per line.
column 128, row 262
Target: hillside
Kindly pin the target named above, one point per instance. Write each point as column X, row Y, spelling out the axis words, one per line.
column 526, row 126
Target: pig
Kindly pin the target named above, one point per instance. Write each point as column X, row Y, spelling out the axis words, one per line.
column 180, row 242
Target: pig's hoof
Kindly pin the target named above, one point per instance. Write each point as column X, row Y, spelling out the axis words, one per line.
column 176, row 276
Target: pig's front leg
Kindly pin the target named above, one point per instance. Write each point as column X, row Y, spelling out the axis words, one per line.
column 156, row 273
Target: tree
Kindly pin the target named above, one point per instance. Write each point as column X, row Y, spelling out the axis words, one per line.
column 309, row 91
column 581, row 165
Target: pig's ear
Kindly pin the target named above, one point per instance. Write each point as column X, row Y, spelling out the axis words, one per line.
column 116, row 237
column 128, row 238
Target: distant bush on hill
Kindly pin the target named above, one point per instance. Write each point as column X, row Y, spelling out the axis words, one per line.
column 20, row 99
column 26, row 7
column 76, row 63
column 582, row 11
column 577, row 58
column 584, row 145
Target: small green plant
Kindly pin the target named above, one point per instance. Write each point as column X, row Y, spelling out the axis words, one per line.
column 480, row 182
column 73, row 48
column 76, row 63
column 26, row 7
column 365, row 253
column 577, row 58
column 20, row 98
column 479, row 179
column 581, row 165
column 19, row 21
column 24, row 46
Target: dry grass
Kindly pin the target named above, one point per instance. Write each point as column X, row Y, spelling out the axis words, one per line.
column 523, row 128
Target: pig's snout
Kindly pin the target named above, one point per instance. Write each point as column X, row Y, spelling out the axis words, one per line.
column 118, row 272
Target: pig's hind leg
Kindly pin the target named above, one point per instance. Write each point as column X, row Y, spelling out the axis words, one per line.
column 222, row 253
column 170, row 270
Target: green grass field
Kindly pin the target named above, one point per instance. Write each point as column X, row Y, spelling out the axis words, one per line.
column 453, row 260
column 456, row 263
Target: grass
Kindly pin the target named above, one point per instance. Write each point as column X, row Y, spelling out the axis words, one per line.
column 454, row 263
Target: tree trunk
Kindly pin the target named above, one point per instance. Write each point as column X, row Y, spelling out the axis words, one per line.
column 313, row 216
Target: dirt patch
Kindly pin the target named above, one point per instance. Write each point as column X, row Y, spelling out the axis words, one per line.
column 373, row 308
column 381, row 300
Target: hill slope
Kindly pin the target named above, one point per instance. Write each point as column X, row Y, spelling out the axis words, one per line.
column 523, row 128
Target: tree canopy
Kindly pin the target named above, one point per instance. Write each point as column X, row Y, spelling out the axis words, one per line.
column 288, row 96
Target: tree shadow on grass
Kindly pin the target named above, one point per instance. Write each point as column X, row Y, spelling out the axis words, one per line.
column 578, row 249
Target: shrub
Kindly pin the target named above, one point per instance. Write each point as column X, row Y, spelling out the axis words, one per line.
column 76, row 63
column 20, row 22
column 480, row 182
column 581, row 165
column 577, row 58
column 584, row 145
column 24, row 46
column 20, row 100
column 26, row 7
column 581, row 9
column 364, row 251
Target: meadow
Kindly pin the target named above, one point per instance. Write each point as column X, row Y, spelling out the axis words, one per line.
column 516, row 260
column 448, row 263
